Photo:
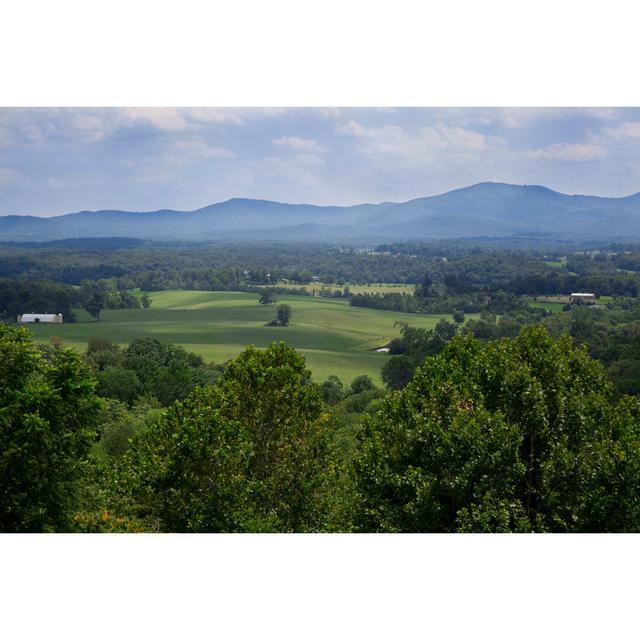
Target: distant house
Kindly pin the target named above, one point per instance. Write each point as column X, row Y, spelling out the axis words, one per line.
column 55, row 318
column 583, row 297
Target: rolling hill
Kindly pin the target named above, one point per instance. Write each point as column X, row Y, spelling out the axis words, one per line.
column 486, row 209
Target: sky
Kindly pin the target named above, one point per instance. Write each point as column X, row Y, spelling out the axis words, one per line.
column 62, row 160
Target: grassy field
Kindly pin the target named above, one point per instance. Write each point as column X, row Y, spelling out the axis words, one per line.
column 354, row 288
column 335, row 337
column 556, row 303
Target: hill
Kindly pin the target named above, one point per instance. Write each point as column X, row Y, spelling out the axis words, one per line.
column 485, row 209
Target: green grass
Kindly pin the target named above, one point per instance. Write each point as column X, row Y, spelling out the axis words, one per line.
column 384, row 287
column 335, row 337
column 556, row 303
column 555, row 307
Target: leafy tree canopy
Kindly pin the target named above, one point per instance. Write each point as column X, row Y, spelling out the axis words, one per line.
column 48, row 411
column 250, row 453
column 514, row 435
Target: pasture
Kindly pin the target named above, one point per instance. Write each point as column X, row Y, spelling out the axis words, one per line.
column 335, row 337
column 354, row 288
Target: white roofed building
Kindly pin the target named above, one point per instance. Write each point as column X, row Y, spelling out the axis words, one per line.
column 55, row 318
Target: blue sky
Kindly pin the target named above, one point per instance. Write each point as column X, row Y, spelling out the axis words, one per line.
column 59, row 160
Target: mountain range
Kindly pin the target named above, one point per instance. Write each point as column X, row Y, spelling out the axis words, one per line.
column 487, row 209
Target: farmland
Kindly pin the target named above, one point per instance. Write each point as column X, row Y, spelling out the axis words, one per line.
column 335, row 337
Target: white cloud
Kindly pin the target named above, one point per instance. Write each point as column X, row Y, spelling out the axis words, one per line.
column 202, row 148
column 308, row 145
column 570, row 152
column 441, row 136
column 165, row 119
column 626, row 132
column 425, row 145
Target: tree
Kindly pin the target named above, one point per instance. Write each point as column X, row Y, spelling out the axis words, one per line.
column 48, row 411
column 362, row 383
column 165, row 371
column 445, row 330
column 119, row 383
column 94, row 305
column 250, row 453
column 332, row 390
column 146, row 300
column 283, row 314
column 458, row 316
column 514, row 435
column 103, row 353
column 397, row 372
column 268, row 296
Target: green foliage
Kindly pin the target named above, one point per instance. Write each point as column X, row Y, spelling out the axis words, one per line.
column 165, row 371
column 362, row 383
column 397, row 372
column 251, row 453
column 332, row 390
column 48, row 410
column 118, row 423
column 268, row 296
column 18, row 296
column 283, row 314
column 515, row 435
column 119, row 383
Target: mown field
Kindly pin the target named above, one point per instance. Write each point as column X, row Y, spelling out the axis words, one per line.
column 335, row 337
column 354, row 288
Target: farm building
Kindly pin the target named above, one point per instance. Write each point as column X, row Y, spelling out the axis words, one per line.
column 584, row 297
column 40, row 317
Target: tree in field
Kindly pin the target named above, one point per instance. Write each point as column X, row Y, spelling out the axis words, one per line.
column 514, row 435
column 268, row 296
column 458, row 316
column 145, row 300
column 94, row 305
column 283, row 314
column 48, row 413
column 250, row 453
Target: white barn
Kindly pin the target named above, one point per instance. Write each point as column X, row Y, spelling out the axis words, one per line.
column 40, row 317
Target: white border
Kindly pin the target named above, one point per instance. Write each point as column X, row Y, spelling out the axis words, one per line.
column 291, row 53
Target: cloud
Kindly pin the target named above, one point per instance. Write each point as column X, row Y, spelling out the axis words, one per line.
column 307, row 145
column 569, row 152
column 201, row 148
column 441, row 136
column 626, row 132
column 427, row 144
column 310, row 159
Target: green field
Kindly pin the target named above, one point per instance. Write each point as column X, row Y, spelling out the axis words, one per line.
column 354, row 288
column 556, row 303
column 335, row 337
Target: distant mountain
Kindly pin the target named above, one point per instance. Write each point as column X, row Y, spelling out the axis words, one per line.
column 486, row 209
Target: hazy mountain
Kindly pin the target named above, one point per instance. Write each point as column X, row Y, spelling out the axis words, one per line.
column 485, row 209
